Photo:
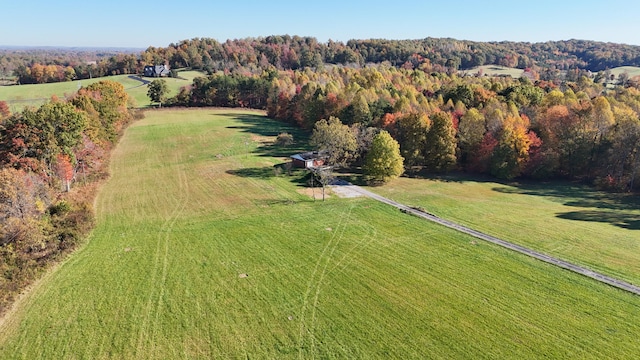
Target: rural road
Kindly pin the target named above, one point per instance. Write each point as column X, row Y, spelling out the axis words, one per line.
column 138, row 78
column 343, row 186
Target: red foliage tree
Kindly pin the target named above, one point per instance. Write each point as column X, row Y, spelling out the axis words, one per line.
column 64, row 170
column 455, row 118
column 480, row 160
column 333, row 105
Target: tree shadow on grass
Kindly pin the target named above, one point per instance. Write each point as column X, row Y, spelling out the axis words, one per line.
column 275, row 150
column 353, row 175
column 299, row 177
column 257, row 124
column 622, row 210
column 623, row 220
column 618, row 209
column 261, row 125
column 450, row 177
column 575, row 195
column 260, row 173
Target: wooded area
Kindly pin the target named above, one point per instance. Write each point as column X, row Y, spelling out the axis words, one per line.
column 42, row 152
column 558, row 120
column 551, row 60
column 503, row 127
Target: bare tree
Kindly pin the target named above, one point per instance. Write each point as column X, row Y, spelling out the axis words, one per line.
column 324, row 175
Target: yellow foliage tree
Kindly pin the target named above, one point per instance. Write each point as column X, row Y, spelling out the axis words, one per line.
column 384, row 162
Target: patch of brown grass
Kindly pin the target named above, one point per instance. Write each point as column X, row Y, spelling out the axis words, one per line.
column 315, row 193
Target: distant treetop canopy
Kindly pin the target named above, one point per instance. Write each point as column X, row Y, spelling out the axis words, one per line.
column 293, row 52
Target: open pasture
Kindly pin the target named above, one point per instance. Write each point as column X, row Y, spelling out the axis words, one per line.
column 204, row 250
column 20, row 96
column 632, row 71
column 189, row 75
column 494, row 70
column 596, row 229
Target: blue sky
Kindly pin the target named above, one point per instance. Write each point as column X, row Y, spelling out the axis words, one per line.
column 130, row 23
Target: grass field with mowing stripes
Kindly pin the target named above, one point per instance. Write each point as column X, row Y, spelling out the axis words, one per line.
column 203, row 250
column 596, row 229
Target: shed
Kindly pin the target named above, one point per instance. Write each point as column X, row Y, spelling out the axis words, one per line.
column 307, row 160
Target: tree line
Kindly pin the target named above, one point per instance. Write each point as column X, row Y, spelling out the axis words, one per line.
column 550, row 59
column 503, row 127
column 51, row 159
column 294, row 52
column 28, row 65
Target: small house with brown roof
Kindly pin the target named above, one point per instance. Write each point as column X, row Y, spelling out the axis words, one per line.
column 307, row 160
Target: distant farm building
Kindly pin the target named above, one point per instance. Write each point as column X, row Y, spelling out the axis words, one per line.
column 307, row 160
column 156, row 70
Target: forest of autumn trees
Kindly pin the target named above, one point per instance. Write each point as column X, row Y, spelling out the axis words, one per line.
column 46, row 152
column 42, row 65
column 295, row 52
column 549, row 60
column 502, row 127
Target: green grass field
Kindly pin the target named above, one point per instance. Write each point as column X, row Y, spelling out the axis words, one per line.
column 497, row 70
column 202, row 250
column 20, row 96
column 630, row 70
column 189, row 75
column 494, row 70
column 597, row 229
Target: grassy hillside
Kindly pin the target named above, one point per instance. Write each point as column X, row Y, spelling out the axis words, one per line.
column 630, row 70
column 597, row 229
column 139, row 93
column 203, row 251
column 20, row 96
column 494, row 70
column 191, row 74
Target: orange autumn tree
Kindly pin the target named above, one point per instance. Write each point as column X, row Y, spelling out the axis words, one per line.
column 64, row 170
column 4, row 110
column 512, row 151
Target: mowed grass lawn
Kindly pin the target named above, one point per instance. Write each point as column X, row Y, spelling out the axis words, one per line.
column 573, row 222
column 203, row 251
